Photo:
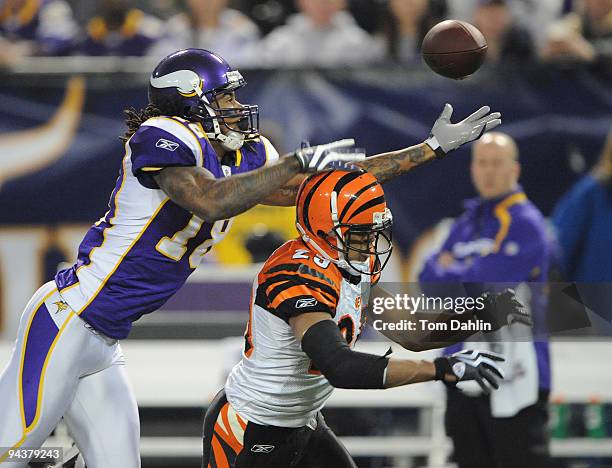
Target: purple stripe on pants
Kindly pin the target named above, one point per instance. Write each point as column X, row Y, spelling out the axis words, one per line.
column 38, row 341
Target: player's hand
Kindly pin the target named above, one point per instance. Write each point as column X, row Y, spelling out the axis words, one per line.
column 446, row 136
column 501, row 309
column 481, row 366
column 318, row 158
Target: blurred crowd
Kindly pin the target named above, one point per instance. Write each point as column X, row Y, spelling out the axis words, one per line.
column 295, row 33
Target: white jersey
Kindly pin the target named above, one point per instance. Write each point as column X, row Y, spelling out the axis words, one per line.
column 275, row 383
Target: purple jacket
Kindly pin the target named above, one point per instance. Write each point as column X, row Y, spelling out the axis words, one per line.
column 501, row 240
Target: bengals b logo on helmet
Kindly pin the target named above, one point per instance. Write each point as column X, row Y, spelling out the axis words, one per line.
column 343, row 215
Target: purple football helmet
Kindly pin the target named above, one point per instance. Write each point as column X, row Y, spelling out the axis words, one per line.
column 187, row 84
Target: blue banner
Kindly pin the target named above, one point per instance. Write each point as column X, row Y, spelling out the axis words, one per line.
column 60, row 149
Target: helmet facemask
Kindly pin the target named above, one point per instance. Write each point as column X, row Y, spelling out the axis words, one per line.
column 230, row 126
column 366, row 248
column 363, row 248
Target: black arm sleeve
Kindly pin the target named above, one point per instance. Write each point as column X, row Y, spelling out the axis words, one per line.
column 343, row 367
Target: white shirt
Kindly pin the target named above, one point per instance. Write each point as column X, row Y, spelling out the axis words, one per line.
column 301, row 43
column 535, row 15
column 235, row 38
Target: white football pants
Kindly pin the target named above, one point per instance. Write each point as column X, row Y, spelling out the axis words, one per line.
column 61, row 367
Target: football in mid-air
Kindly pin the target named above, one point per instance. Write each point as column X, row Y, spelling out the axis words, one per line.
column 454, row 49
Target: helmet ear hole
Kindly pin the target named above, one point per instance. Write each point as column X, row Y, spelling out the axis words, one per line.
column 325, row 235
column 187, row 112
column 208, row 126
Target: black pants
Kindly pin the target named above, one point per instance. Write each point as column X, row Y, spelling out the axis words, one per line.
column 267, row 446
column 482, row 441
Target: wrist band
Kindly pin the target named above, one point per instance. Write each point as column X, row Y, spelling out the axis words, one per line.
column 442, row 368
column 432, row 142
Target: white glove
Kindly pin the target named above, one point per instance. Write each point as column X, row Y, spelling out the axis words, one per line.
column 446, row 136
column 470, row 364
column 318, row 158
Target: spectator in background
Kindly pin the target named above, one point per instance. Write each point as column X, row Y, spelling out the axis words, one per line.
column 322, row 34
column 508, row 41
column 268, row 14
column 534, row 15
column 262, row 242
column 583, row 220
column 122, row 30
column 211, row 25
column 35, row 28
column 584, row 35
column 501, row 237
column 408, row 22
column 164, row 9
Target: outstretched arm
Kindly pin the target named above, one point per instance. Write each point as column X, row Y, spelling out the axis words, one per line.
column 445, row 137
column 197, row 190
column 387, row 166
column 384, row 167
column 494, row 309
column 211, row 199
column 344, row 368
column 287, row 194
column 418, row 338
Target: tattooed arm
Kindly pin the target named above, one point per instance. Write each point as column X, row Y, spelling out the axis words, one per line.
column 445, row 137
column 286, row 195
column 387, row 166
column 196, row 190
column 384, row 167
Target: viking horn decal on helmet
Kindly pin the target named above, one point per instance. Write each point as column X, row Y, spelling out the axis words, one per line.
column 189, row 84
column 186, row 81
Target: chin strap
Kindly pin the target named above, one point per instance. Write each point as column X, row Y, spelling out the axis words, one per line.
column 233, row 141
column 342, row 263
column 314, row 245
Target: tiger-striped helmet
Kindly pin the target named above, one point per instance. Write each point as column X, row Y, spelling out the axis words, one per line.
column 339, row 212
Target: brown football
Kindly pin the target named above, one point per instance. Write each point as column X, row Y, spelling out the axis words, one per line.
column 454, row 49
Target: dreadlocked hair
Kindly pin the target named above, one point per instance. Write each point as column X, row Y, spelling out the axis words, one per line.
column 135, row 118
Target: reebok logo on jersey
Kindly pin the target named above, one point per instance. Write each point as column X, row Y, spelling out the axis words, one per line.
column 166, row 144
column 303, row 303
column 262, row 448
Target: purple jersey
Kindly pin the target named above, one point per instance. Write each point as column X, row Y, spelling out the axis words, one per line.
column 48, row 23
column 143, row 249
column 135, row 37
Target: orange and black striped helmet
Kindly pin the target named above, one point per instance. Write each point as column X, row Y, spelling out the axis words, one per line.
column 343, row 216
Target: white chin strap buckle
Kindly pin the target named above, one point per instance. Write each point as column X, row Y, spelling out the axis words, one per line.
column 233, row 141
